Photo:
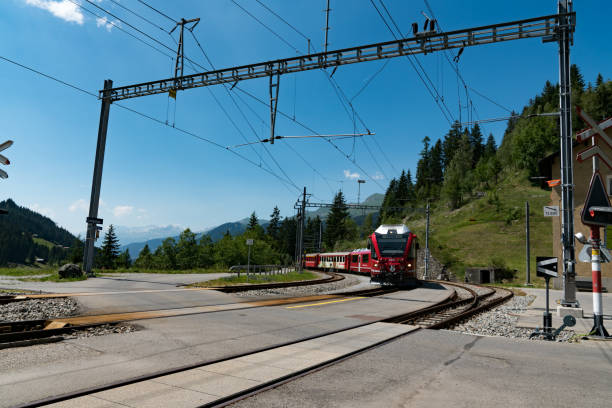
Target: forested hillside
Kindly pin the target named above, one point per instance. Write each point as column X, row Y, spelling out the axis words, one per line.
column 470, row 182
column 26, row 235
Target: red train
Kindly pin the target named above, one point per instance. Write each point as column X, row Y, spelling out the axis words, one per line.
column 390, row 257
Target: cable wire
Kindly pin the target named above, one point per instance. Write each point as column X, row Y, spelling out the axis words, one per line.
column 139, row 16
column 144, row 115
column 157, row 11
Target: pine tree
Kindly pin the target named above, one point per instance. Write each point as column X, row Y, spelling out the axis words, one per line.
column 274, row 224
column 477, row 145
column 110, row 249
column 253, row 223
column 436, row 163
column 335, row 229
column 490, row 148
column 451, row 143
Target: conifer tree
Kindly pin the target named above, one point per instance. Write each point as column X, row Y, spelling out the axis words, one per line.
column 274, row 224
column 477, row 144
column 110, row 249
column 253, row 222
column 124, row 260
column 76, row 253
column 451, row 143
column 335, row 228
column 490, row 148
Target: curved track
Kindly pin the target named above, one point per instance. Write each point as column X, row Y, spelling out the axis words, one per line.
column 443, row 314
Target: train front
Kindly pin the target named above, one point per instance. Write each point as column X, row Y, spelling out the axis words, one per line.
column 393, row 252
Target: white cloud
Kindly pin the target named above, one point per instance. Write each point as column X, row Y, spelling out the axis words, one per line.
column 121, row 210
column 79, row 205
column 378, row 176
column 63, row 9
column 351, row 176
column 41, row 210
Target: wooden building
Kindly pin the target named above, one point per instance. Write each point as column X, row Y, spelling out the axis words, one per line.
column 550, row 167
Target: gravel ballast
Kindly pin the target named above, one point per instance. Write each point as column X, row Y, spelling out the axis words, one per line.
column 501, row 321
column 38, row 309
column 348, row 281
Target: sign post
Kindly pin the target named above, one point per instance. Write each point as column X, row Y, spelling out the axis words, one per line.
column 249, row 243
column 596, row 211
column 546, row 267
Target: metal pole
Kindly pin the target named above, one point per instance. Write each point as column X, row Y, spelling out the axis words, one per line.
column 598, row 329
column 527, row 251
column 426, row 275
column 248, row 262
column 567, row 176
column 88, row 255
column 302, row 221
column 547, row 316
column 320, row 233
column 326, row 25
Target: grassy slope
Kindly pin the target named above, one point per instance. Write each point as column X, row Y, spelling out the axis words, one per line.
column 258, row 278
column 476, row 233
column 43, row 242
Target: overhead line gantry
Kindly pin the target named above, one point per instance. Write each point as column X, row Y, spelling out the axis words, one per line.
column 556, row 27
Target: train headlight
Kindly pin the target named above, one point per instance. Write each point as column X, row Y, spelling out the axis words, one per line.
column 409, row 265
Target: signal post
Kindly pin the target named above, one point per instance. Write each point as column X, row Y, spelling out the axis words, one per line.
column 596, row 212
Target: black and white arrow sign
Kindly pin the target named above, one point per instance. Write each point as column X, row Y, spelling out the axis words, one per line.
column 546, row 266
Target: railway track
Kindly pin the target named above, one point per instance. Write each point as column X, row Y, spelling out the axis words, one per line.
column 450, row 313
column 446, row 313
column 25, row 333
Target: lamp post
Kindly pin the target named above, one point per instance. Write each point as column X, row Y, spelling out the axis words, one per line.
column 359, row 183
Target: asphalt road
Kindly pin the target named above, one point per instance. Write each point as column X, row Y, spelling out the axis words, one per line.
column 36, row 372
column 448, row 369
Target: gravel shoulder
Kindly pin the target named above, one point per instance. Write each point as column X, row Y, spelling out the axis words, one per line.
column 501, row 321
column 349, row 281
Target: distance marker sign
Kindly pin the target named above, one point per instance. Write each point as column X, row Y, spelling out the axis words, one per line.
column 546, row 266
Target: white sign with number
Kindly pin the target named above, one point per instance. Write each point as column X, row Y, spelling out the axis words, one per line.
column 249, row 242
column 551, row 211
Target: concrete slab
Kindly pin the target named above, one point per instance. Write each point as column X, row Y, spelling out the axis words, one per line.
column 48, row 370
column 444, row 368
column 194, row 387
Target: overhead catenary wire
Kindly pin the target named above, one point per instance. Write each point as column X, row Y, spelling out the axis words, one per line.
column 242, row 113
column 157, row 11
column 121, row 29
column 139, row 16
column 336, row 87
column 144, row 115
column 344, row 100
column 437, row 98
column 344, row 154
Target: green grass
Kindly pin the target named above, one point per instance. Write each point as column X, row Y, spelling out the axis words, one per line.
column 258, row 278
column 43, row 242
column 163, row 271
column 53, row 277
column 26, row 271
column 477, row 233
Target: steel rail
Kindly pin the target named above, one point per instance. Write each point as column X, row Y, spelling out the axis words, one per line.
column 422, row 43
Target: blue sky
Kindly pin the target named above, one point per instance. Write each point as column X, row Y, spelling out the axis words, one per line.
column 154, row 175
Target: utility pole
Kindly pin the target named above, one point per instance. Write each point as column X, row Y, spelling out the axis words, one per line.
column 359, row 183
column 302, row 222
column 527, row 252
column 327, row 10
column 426, row 274
column 94, row 202
column 565, row 30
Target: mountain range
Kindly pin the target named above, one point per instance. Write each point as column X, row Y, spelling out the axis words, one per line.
column 238, row 227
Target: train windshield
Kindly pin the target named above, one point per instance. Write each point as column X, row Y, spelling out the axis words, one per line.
column 391, row 245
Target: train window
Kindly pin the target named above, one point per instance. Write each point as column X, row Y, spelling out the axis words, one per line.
column 365, row 258
column 355, row 258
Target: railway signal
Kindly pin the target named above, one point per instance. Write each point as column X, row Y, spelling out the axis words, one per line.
column 3, row 159
column 596, row 211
